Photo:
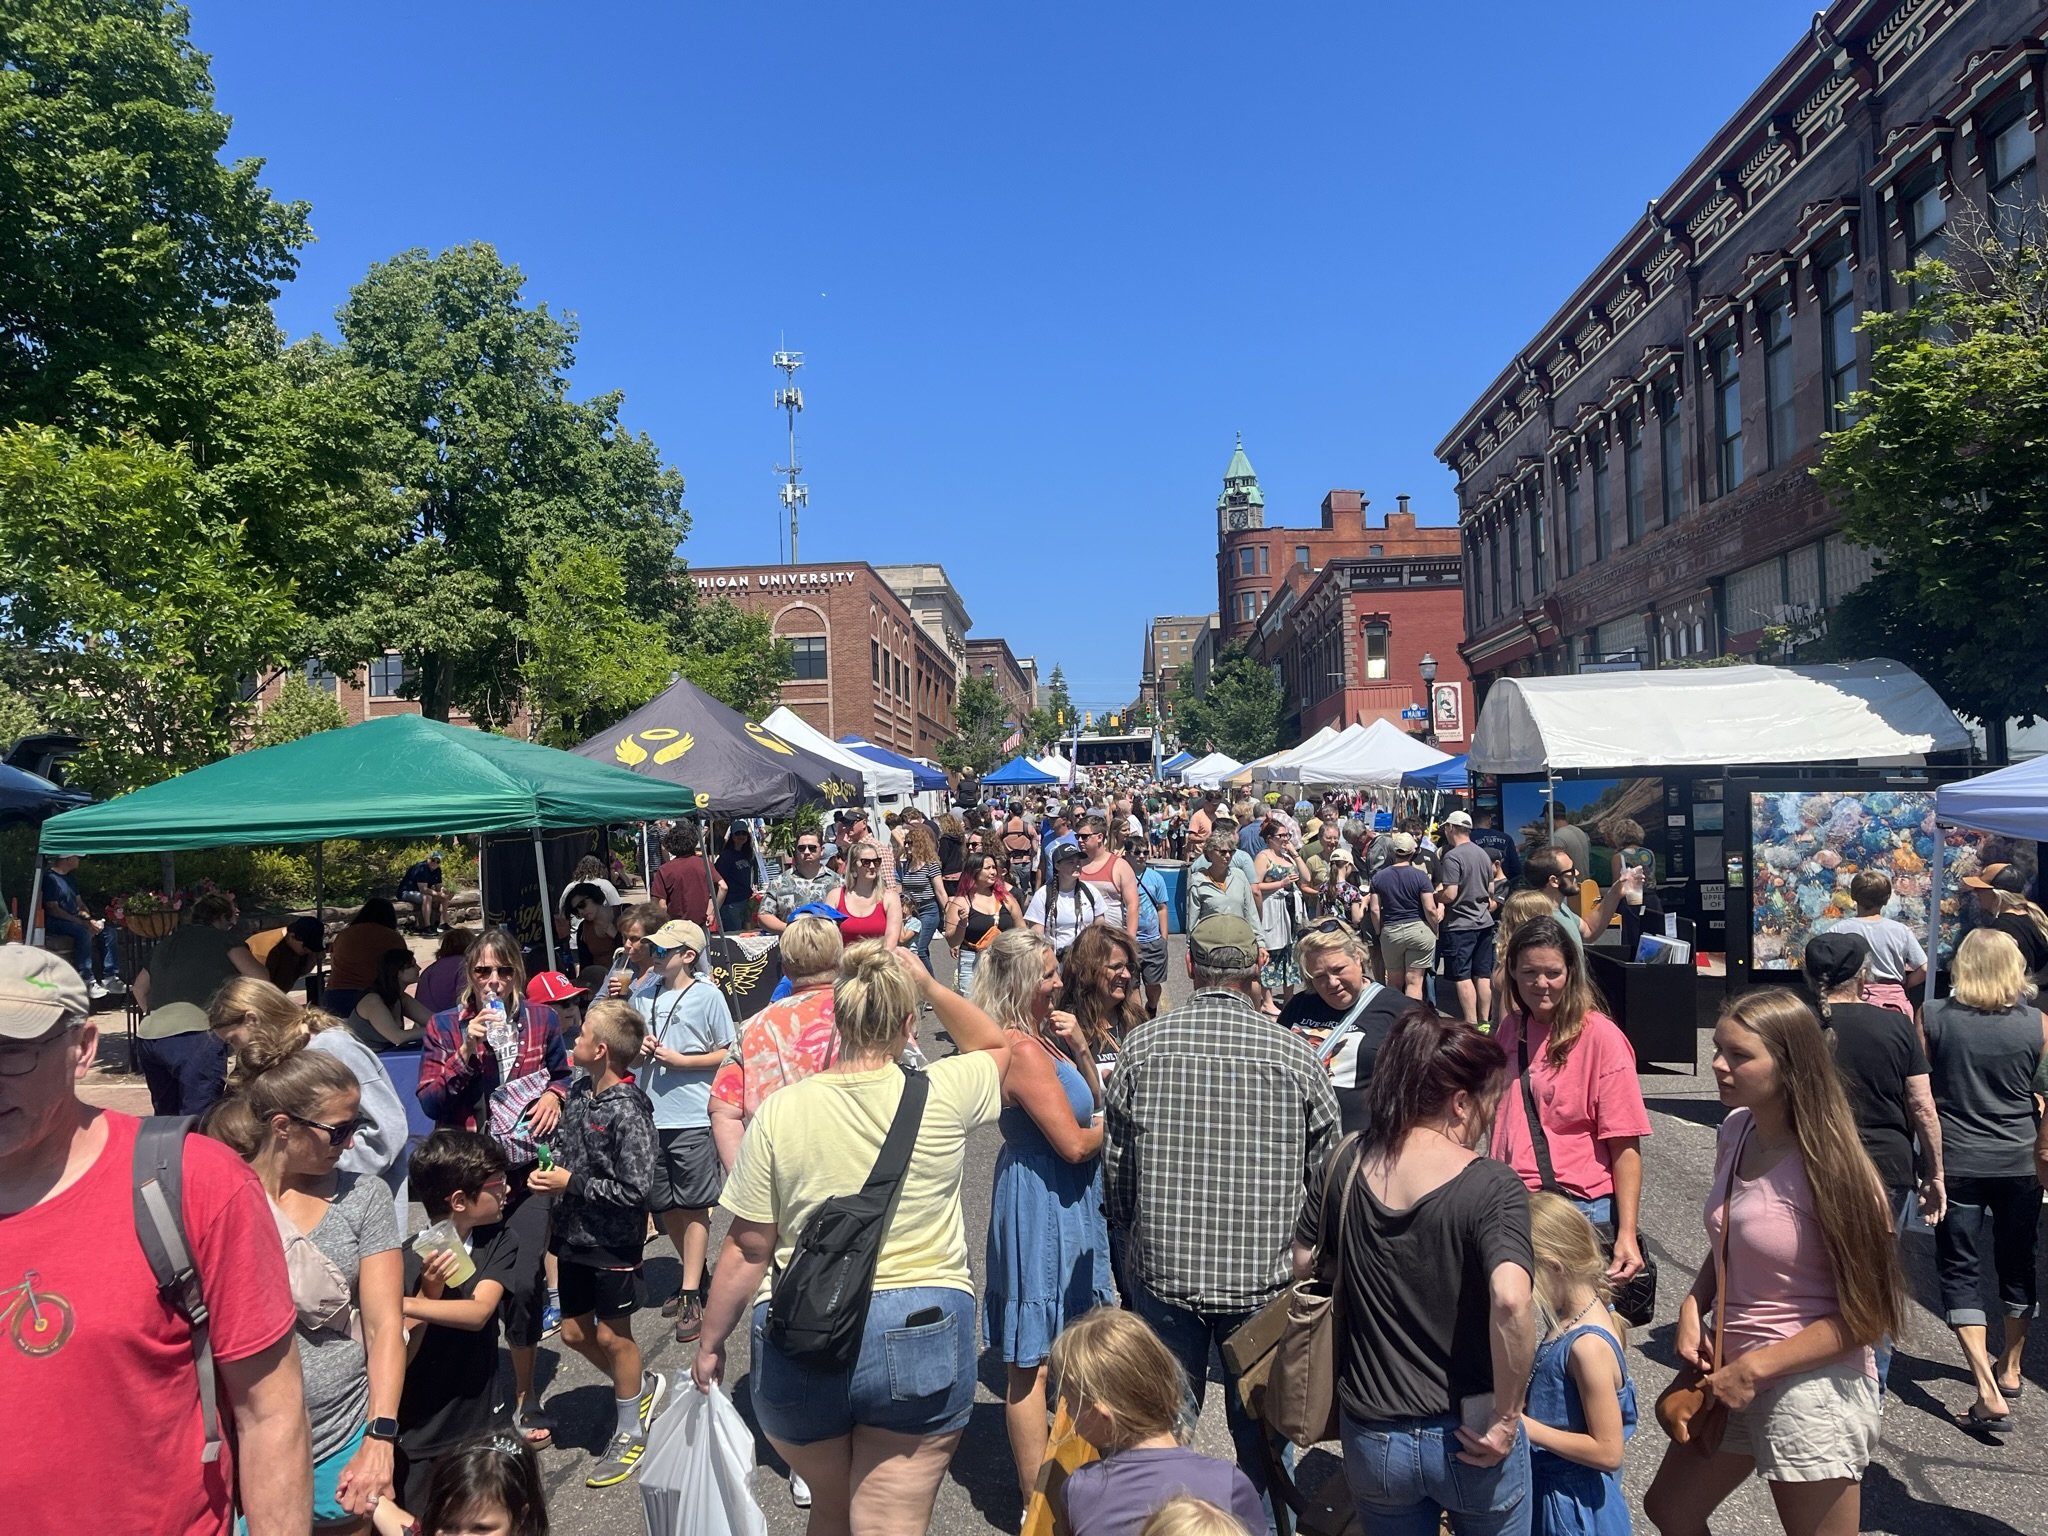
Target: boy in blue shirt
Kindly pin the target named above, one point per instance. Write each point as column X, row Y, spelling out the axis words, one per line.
column 1153, row 896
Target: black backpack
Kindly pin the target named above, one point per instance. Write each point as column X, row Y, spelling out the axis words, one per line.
column 159, row 1182
column 818, row 1306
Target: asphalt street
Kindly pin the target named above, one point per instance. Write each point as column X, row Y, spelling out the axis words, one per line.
column 1930, row 1477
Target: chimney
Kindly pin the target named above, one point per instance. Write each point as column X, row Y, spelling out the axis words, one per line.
column 1343, row 504
column 1401, row 520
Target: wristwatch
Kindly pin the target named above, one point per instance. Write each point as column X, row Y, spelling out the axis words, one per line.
column 381, row 1429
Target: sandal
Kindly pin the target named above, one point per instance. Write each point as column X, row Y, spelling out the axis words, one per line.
column 2012, row 1394
column 538, row 1432
column 1979, row 1420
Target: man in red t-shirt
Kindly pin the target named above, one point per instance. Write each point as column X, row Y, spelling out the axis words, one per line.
column 98, row 1359
column 682, row 884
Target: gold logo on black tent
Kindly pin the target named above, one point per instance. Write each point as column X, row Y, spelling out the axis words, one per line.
column 630, row 751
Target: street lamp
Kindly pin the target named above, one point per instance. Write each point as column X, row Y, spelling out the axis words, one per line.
column 1427, row 667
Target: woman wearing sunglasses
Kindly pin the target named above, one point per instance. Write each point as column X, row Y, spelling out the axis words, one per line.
column 293, row 1114
column 498, row 1063
column 873, row 910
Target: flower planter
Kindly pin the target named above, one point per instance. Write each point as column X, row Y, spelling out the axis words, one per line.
column 151, row 925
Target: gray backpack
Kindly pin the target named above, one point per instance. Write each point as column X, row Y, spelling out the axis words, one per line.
column 160, row 1228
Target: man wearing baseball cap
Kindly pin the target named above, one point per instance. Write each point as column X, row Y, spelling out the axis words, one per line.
column 1213, row 1123
column 1465, row 893
column 95, row 1344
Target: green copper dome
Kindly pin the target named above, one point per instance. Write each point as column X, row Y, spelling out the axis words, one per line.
column 1240, row 476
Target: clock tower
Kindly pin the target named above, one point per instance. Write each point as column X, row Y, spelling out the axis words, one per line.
column 1242, row 504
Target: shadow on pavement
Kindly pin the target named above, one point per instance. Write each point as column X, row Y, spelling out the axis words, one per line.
column 1889, row 1505
column 1709, row 1112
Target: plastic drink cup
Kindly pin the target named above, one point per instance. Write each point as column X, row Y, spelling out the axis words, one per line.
column 442, row 1237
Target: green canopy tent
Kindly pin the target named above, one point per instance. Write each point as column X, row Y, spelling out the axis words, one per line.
column 399, row 776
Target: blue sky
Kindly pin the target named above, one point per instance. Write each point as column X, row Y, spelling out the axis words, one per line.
column 1043, row 260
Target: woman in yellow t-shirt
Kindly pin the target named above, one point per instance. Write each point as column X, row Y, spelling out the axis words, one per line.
column 882, row 1433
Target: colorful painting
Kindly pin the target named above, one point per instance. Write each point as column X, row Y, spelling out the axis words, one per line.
column 1807, row 846
column 1588, row 804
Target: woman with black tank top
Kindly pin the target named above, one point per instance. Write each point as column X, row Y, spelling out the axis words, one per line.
column 979, row 909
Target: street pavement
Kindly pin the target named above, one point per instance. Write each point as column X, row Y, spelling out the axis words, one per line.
column 1931, row 1477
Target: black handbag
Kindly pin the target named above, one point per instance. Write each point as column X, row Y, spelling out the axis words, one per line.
column 818, row 1305
column 1635, row 1299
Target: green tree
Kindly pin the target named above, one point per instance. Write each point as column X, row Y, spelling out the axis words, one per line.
column 1238, row 713
column 123, row 235
column 299, row 709
column 1059, row 702
column 732, row 653
column 1944, row 475
column 584, row 659
column 487, row 460
column 135, row 612
column 19, row 717
column 978, row 728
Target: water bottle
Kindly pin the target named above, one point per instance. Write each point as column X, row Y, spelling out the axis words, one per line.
column 498, row 1031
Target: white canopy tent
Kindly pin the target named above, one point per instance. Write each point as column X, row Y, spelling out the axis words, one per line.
column 1377, row 756
column 1055, row 765
column 887, row 785
column 1274, row 768
column 1209, row 772
column 1874, row 712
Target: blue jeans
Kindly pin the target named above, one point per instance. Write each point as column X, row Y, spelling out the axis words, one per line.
column 908, row 1379
column 87, row 947
column 1405, row 1473
column 966, row 960
column 927, row 930
column 1191, row 1336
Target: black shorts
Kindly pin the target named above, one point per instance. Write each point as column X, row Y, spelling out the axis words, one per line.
column 1152, row 961
column 586, row 1290
column 1467, row 953
column 687, row 1173
column 527, row 1296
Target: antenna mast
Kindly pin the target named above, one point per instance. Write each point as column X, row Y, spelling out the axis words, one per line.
column 790, row 400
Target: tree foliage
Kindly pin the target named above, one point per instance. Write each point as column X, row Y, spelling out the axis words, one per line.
column 979, row 732
column 732, row 653
column 1944, row 474
column 585, row 661
column 19, row 717
column 1238, row 713
column 299, row 710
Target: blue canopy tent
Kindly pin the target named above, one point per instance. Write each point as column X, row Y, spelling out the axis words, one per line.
column 1175, row 763
column 1445, row 775
column 927, row 776
column 1019, row 770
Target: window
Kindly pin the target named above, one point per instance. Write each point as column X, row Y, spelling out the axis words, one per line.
column 1183, row 634
column 319, row 679
column 1246, row 612
column 1375, row 652
column 1728, row 413
column 875, row 661
column 1838, row 339
column 1493, row 538
column 1671, row 456
column 389, row 676
column 1375, row 551
column 1301, row 554
column 1246, row 561
column 1778, row 393
column 2015, row 188
column 1926, row 221
column 1632, row 477
column 1262, row 559
column 1572, row 513
column 1603, row 508
column 1539, row 542
column 1515, row 556
column 809, row 653
column 1751, row 598
column 1845, row 566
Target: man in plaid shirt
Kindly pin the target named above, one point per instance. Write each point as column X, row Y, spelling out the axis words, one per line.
column 1214, row 1121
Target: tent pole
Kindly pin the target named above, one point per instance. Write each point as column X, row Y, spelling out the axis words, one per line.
column 320, row 914
column 547, row 927
column 711, row 879
column 35, row 901
column 646, row 861
column 1934, row 914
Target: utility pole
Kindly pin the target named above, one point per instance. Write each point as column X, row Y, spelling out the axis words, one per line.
column 790, row 400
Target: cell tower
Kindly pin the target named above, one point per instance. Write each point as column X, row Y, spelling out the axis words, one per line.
column 790, row 399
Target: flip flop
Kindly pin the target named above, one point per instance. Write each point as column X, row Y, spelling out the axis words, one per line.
column 1978, row 1419
column 535, row 1429
column 2011, row 1394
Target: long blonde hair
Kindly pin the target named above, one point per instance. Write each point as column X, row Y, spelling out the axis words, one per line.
column 275, row 1026
column 1186, row 1515
column 1990, row 973
column 1111, row 1360
column 1847, row 1194
column 1011, row 969
column 1567, row 1246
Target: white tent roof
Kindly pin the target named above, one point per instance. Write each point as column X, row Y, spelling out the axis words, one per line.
column 1379, row 754
column 884, row 782
column 1867, row 711
column 1278, row 768
column 1055, row 765
column 1210, row 771
column 2013, row 801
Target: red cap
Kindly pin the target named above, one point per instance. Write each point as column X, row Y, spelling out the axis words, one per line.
column 553, row 987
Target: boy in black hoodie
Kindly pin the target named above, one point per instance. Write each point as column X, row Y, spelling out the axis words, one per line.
column 604, row 1165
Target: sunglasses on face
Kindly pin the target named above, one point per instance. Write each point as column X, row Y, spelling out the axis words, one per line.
column 490, row 970
column 337, row 1135
column 808, row 848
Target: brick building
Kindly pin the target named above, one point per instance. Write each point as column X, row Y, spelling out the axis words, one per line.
column 1170, row 641
column 928, row 592
column 864, row 664
column 366, row 693
column 991, row 658
column 1634, row 486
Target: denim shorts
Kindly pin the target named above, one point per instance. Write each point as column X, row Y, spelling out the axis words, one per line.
column 910, row 1381
column 1404, row 1475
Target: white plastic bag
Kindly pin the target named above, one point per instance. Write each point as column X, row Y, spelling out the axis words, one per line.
column 695, row 1476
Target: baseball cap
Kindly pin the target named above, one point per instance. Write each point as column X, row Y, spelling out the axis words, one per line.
column 1403, row 842
column 309, row 931
column 1065, row 851
column 553, row 987
column 1836, row 957
column 678, row 934
column 1314, row 827
column 1998, row 877
column 37, row 992
column 1341, row 855
column 1223, row 941
column 1458, row 819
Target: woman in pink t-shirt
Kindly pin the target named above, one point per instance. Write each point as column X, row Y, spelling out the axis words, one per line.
column 1812, row 1282
column 1582, row 1072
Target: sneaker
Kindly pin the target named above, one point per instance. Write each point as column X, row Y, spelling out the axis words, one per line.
column 653, row 1388
column 113, row 986
column 95, row 990
column 689, row 1320
column 668, row 1308
column 620, row 1458
column 550, row 1321
column 799, row 1492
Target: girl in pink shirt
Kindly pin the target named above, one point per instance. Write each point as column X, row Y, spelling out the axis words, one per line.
column 1811, row 1283
column 1581, row 1071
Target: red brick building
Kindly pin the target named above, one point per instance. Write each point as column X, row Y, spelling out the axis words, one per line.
column 991, row 658
column 367, row 693
column 1635, row 486
column 864, row 664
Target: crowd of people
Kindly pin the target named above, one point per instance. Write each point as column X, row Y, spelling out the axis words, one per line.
column 1394, row 1078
